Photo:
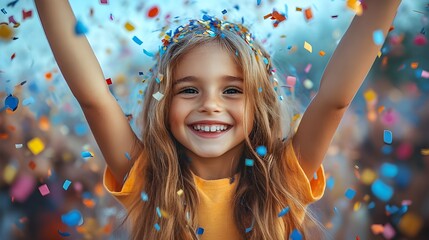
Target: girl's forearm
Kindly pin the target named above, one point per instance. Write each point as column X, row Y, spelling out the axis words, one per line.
column 356, row 52
column 73, row 53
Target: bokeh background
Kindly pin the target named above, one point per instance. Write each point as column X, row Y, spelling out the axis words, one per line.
column 375, row 190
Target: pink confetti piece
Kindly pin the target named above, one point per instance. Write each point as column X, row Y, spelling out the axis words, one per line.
column 308, row 68
column 425, row 74
column 291, row 81
column 22, row 188
column 104, row 2
column 388, row 231
column 44, row 190
column 12, row 20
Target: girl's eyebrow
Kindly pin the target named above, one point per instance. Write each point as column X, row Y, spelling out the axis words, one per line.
column 195, row 79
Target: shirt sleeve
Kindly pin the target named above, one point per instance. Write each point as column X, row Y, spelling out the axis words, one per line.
column 307, row 191
column 120, row 191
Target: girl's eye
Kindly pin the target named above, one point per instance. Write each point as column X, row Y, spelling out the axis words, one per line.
column 233, row 91
column 188, row 91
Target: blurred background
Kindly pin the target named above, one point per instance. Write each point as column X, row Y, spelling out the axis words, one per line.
column 51, row 168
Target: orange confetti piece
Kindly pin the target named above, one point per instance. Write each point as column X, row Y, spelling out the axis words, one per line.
column 4, row 136
column 308, row 14
column 153, row 12
column 414, row 65
column 322, row 53
column 425, row 151
column 89, row 203
column 381, row 109
column 377, row 228
column 48, row 76
column 44, row 123
column 356, row 6
column 298, row 9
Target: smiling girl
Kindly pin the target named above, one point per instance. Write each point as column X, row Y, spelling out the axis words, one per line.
column 213, row 161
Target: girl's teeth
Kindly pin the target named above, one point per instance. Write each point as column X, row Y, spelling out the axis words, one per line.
column 211, row 128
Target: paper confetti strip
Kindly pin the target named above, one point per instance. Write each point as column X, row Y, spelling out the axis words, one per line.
column 308, row 46
column 44, row 190
column 36, row 145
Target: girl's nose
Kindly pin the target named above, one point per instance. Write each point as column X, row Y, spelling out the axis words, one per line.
column 210, row 102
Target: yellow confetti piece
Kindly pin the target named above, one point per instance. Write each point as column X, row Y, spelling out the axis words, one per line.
column 296, row 117
column 180, row 192
column 36, row 145
column 370, row 95
column 425, row 151
column 164, row 214
column 9, row 173
column 379, row 54
column 6, row 32
column 356, row 206
column 356, row 6
column 322, row 53
column 368, row 176
column 308, row 46
column 129, row 26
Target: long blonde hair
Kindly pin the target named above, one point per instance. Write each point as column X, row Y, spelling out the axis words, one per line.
column 262, row 191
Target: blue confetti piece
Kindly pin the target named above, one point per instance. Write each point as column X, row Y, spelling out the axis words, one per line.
column 249, row 162
column 378, row 37
column 388, row 170
column 391, row 209
column 295, row 235
column 330, row 182
column 157, row 227
column 158, row 212
column 80, row 129
column 350, row 193
column 66, row 184
column 127, row 155
column 315, row 176
column 64, row 234
column 387, row 137
column 265, row 61
column 3, row 11
column 137, row 40
column 86, row 154
column 149, row 54
column 80, row 28
column 224, row 11
column 258, row 2
column 381, row 190
column 144, row 196
column 259, row 89
column 336, row 210
column 387, row 149
column 72, row 218
column 28, row 101
column 283, row 212
column 251, row 226
column 11, row 102
column 200, row 231
column 371, row 205
column 261, row 151
column 286, row 11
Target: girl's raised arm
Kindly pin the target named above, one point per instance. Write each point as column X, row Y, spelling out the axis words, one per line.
column 83, row 75
column 341, row 80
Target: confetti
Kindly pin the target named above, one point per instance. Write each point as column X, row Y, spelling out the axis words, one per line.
column 350, row 193
column 158, row 96
column 28, row 101
column 129, row 26
column 381, row 190
column 153, row 12
column 18, row 145
column 249, row 162
column 6, row 32
column 180, row 192
column 149, row 54
column 387, row 137
column 9, row 173
column 64, row 234
column 44, row 190
column 388, row 170
column 261, row 151
column 144, row 196
column 3, row 11
column 26, row 14
column 137, row 40
column 22, row 187
column 424, row 74
column 158, row 212
column 32, row 165
column 330, row 182
column 322, row 53
column 104, row 2
column 308, row 46
column 66, row 184
column 72, row 218
column 378, row 37
column 308, row 14
column 11, row 102
column 80, row 28
column 86, row 154
column 291, row 81
column 283, row 212
column 36, row 145
column 295, row 235
column 157, row 227
column 200, row 231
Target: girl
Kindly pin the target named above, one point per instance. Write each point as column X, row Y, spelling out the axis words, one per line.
column 212, row 162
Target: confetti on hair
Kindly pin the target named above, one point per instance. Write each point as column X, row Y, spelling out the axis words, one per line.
column 387, row 137
column 180, row 192
column 295, row 235
column 249, row 162
column 80, row 28
column 308, row 47
column 144, row 196
column 261, row 151
column 283, row 212
column 350, row 193
column 158, row 96
column 32, row 165
column 127, row 155
column 137, row 40
column 44, row 190
column 66, row 184
column 158, row 212
column 73, row 218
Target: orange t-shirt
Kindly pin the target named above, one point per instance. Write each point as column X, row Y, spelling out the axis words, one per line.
column 215, row 213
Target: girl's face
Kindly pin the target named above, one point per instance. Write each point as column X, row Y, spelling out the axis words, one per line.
column 206, row 113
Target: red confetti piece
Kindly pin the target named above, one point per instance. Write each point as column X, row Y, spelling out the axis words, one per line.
column 32, row 165
column 12, row 20
column 109, row 81
column 26, row 14
column 12, row 57
column 153, row 12
column 308, row 14
column 103, row 1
